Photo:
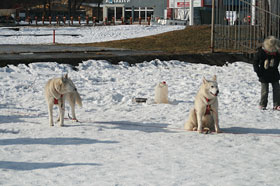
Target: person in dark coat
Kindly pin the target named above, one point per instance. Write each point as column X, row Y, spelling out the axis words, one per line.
column 266, row 63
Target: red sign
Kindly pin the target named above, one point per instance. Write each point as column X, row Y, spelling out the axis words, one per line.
column 183, row 4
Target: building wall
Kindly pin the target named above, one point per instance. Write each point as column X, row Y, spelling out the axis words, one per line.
column 158, row 5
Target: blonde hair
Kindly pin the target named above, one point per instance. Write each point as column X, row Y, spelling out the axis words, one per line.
column 271, row 44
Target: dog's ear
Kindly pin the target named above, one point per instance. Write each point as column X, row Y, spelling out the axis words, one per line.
column 204, row 81
column 64, row 78
column 215, row 78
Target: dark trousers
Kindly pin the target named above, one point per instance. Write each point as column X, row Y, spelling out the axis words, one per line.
column 265, row 91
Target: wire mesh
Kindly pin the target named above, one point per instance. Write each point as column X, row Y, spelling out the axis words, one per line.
column 242, row 25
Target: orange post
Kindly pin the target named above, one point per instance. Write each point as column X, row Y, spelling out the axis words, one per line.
column 87, row 20
column 50, row 20
column 113, row 20
column 36, row 20
column 79, row 19
column 130, row 20
column 149, row 20
column 64, row 20
column 122, row 20
column 43, row 20
column 57, row 20
column 93, row 20
column 53, row 36
column 72, row 20
column 106, row 20
column 29, row 20
column 140, row 19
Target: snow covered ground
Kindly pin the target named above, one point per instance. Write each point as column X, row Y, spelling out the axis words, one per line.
column 119, row 142
column 39, row 35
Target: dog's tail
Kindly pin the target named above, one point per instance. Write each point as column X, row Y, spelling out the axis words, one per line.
column 78, row 99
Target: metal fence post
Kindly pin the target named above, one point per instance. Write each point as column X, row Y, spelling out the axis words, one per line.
column 213, row 26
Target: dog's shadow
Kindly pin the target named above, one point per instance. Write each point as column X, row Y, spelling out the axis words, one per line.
column 53, row 141
column 27, row 166
column 12, row 107
column 244, row 130
column 16, row 118
column 6, row 131
column 12, row 118
column 136, row 126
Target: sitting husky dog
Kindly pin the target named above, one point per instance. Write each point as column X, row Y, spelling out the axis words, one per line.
column 56, row 91
column 204, row 115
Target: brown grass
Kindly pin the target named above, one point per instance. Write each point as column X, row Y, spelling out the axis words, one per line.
column 193, row 39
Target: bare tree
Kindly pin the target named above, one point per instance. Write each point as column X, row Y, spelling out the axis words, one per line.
column 45, row 7
column 73, row 6
column 7, row 4
column 98, row 2
column 49, row 7
column 70, row 8
column 27, row 4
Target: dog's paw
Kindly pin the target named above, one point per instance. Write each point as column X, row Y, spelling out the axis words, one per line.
column 200, row 131
column 75, row 120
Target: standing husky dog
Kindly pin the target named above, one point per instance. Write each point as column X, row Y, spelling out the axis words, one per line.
column 56, row 91
column 205, row 111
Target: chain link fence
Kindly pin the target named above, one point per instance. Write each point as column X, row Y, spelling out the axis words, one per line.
column 242, row 25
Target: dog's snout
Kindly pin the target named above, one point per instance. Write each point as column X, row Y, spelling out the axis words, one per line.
column 217, row 92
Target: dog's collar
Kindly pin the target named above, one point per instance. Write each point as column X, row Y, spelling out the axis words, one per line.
column 56, row 100
column 208, row 107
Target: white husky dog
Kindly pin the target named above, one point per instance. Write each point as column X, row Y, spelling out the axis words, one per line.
column 57, row 90
column 204, row 115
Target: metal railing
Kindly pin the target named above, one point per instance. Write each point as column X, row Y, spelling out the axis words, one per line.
column 242, row 25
